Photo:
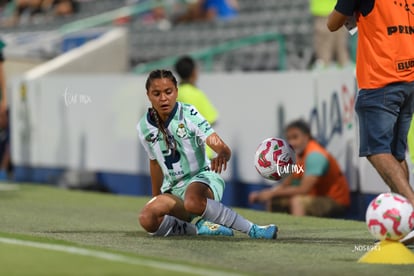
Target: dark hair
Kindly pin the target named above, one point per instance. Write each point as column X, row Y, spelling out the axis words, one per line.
column 301, row 125
column 160, row 74
column 185, row 67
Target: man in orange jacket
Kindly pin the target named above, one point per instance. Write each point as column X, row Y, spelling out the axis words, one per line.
column 318, row 188
column 385, row 75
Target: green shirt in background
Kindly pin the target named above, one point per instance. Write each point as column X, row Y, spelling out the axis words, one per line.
column 189, row 94
column 2, row 44
column 315, row 164
column 322, row 7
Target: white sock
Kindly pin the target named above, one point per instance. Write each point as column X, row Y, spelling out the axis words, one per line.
column 172, row 226
column 217, row 212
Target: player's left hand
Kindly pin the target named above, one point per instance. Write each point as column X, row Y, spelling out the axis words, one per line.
column 219, row 163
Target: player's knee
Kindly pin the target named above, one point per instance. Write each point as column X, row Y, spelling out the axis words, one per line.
column 148, row 221
column 195, row 205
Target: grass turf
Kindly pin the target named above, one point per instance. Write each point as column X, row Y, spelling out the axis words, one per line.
column 17, row 260
column 305, row 246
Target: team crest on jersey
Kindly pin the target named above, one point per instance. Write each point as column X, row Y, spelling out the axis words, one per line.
column 181, row 131
column 149, row 138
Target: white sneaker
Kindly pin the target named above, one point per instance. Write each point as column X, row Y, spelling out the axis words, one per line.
column 409, row 239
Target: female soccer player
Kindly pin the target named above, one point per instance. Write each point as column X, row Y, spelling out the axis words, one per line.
column 185, row 183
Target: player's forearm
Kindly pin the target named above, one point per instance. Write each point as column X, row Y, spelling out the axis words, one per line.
column 6, row 159
column 335, row 21
column 157, row 178
column 156, row 188
column 289, row 191
column 216, row 143
column 156, row 183
column 3, row 84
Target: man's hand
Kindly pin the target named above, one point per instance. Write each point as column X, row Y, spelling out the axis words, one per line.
column 260, row 196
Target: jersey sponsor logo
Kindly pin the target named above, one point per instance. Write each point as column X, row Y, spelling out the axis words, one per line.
column 170, row 158
column 202, row 123
column 181, row 131
column 400, row 29
column 151, row 138
column 193, row 112
column 405, row 65
column 177, row 173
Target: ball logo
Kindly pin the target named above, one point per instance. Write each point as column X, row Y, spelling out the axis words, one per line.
column 263, row 162
column 394, row 215
column 411, row 220
column 400, row 199
column 373, row 223
column 275, row 159
column 375, row 204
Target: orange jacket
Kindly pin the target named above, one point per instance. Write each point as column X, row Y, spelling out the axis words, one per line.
column 385, row 45
column 333, row 183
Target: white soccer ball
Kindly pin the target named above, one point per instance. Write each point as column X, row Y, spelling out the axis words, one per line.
column 390, row 216
column 274, row 159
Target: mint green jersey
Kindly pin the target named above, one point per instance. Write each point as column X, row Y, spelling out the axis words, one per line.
column 190, row 130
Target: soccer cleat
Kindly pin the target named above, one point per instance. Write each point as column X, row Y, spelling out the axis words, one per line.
column 212, row 229
column 263, row 232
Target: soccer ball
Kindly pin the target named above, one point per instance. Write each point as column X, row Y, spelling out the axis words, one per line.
column 390, row 216
column 274, row 159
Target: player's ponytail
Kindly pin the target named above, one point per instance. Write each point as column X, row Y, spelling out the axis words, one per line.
column 168, row 139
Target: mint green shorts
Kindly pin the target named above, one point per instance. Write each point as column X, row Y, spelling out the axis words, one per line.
column 211, row 179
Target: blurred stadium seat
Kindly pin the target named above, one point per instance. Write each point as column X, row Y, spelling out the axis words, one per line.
column 290, row 18
column 149, row 42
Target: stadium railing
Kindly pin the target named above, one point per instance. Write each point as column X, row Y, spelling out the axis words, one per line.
column 109, row 16
column 207, row 55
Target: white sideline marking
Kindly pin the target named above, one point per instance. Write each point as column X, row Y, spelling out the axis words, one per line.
column 117, row 257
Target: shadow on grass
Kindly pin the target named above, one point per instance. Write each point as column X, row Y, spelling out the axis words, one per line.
column 129, row 233
column 143, row 234
column 330, row 241
column 237, row 238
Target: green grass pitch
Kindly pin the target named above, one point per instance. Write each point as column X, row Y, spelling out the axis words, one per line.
column 51, row 231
